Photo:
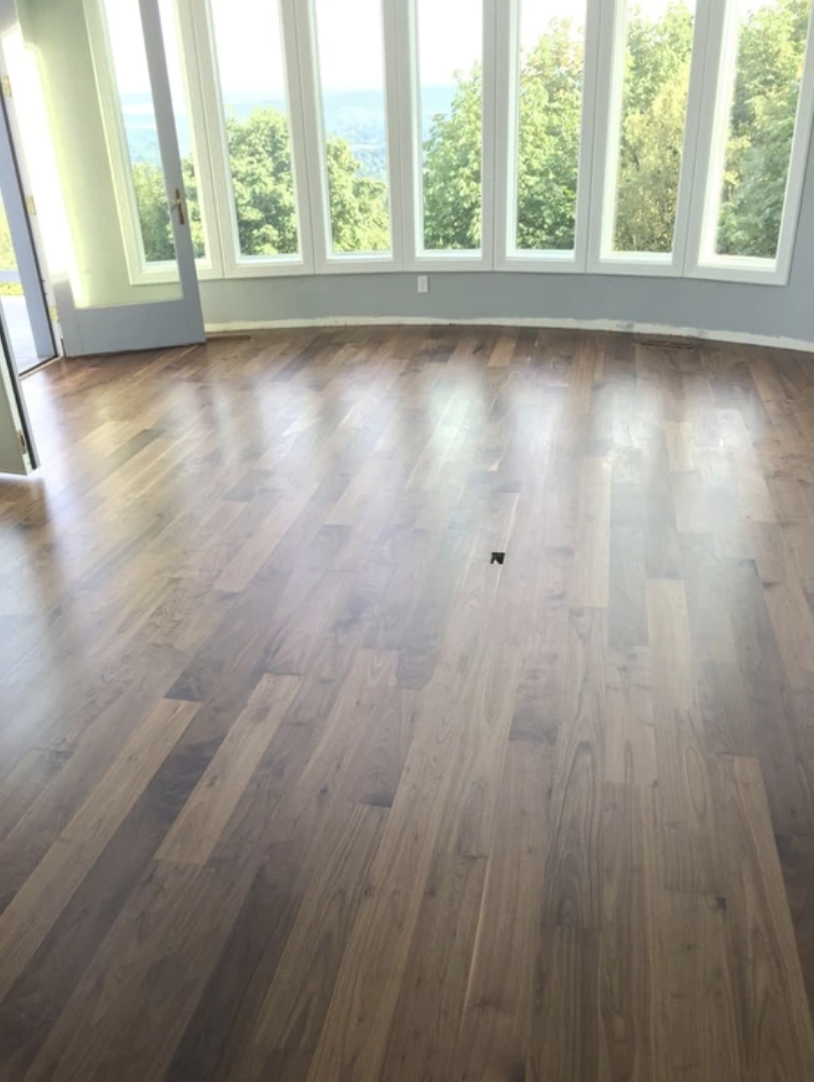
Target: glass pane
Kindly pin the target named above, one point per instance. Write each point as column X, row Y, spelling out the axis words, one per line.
column 450, row 51
column 183, row 124
column 658, row 49
column 351, row 73
column 141, row 135
column 551, row 63
column 771, row 51
column 248, row 39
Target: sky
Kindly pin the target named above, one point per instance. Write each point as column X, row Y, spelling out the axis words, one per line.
column 349, row 35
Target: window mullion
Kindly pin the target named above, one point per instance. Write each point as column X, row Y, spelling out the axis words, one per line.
column 708, row 120
column 493, row 71
column 607, row 117
column 205, row 163
column 299, row 121
column 597, row 68
column 396, row 119
column 303, row 15
column 408, row 132
column 505, row 130
column 700, row 107
column 197, row 22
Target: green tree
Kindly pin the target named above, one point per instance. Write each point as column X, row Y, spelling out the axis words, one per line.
column 654, row 103
column 360, row 219
column 550, row 110
column 767, row 87
column 263, row 186
column 452, row 171
column 657, row 65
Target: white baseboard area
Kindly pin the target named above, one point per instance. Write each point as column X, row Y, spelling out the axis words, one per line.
column 658, row 330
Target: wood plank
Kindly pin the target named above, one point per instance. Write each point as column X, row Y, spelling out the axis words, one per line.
column 775, row 1025
column 38, row 904
column 294, row 783
column 572, row 887
column 197, row 830
column 495, row 1028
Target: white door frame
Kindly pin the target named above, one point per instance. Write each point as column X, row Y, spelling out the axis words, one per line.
column 138, row 326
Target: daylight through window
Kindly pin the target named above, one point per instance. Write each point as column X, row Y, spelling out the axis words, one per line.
column 649, row 139
column 549, row 111
column 767, row 41
column 617, row 136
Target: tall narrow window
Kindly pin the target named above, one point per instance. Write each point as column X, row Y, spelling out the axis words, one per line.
column 550, row 71
column 350, row 42
column 139, row 170
column 767, row 45
column 648, row 134
column 450, row 99
column 251, row 70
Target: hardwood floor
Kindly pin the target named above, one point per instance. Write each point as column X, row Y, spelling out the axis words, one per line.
column 297, row 784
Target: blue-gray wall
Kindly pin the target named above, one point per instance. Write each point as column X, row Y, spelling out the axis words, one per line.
column 776, row 311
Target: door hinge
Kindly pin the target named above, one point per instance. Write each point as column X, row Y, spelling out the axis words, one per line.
column 31, row 206
column 23, row 442
column 53, row 314
column 5, row 86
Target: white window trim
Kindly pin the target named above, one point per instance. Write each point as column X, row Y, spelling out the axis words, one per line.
column 411, row 146
column 602, row 258
column 720, row 72
column 555, row 261
column 199, row 33
column 140, row 271
column 706, row 124
column 325, row 261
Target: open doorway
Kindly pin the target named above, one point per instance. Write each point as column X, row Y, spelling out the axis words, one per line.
column 22, row 298
column 14, row 306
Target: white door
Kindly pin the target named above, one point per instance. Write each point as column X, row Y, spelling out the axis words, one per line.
column 17, row 451
column 78, row 69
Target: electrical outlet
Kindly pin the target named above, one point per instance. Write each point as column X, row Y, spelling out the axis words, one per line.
column 423, row 283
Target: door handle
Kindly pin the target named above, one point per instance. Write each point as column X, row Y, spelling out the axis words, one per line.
column 178, row 204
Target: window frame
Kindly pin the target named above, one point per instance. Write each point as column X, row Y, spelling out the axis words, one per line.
column 706, row 126
column 200, row 28
column 551, row 261
column 418, row 259
column 304, row 24
column 720, row 71
column 602, row 259
column 142, row 272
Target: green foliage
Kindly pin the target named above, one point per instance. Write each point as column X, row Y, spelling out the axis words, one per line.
column 360, row 219
column 772, row 45
column 654, row 102
column 153, row 211
column 548, row 139
column 770, row 63
column 452, row 171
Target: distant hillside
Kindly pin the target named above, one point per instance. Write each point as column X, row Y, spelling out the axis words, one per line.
column 354, row 115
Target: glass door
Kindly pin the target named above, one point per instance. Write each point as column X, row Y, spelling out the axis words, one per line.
column 94, row 116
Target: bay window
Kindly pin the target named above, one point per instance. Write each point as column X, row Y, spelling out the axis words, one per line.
column 612, row 136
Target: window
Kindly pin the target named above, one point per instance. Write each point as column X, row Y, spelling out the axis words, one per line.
column 648, row 127
column 139, row 156
column 253, row 95
column 549, row 81
column 350, row 49
column 764, row 55
column 133, row 140
column 620, row 136
column 450, row 113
